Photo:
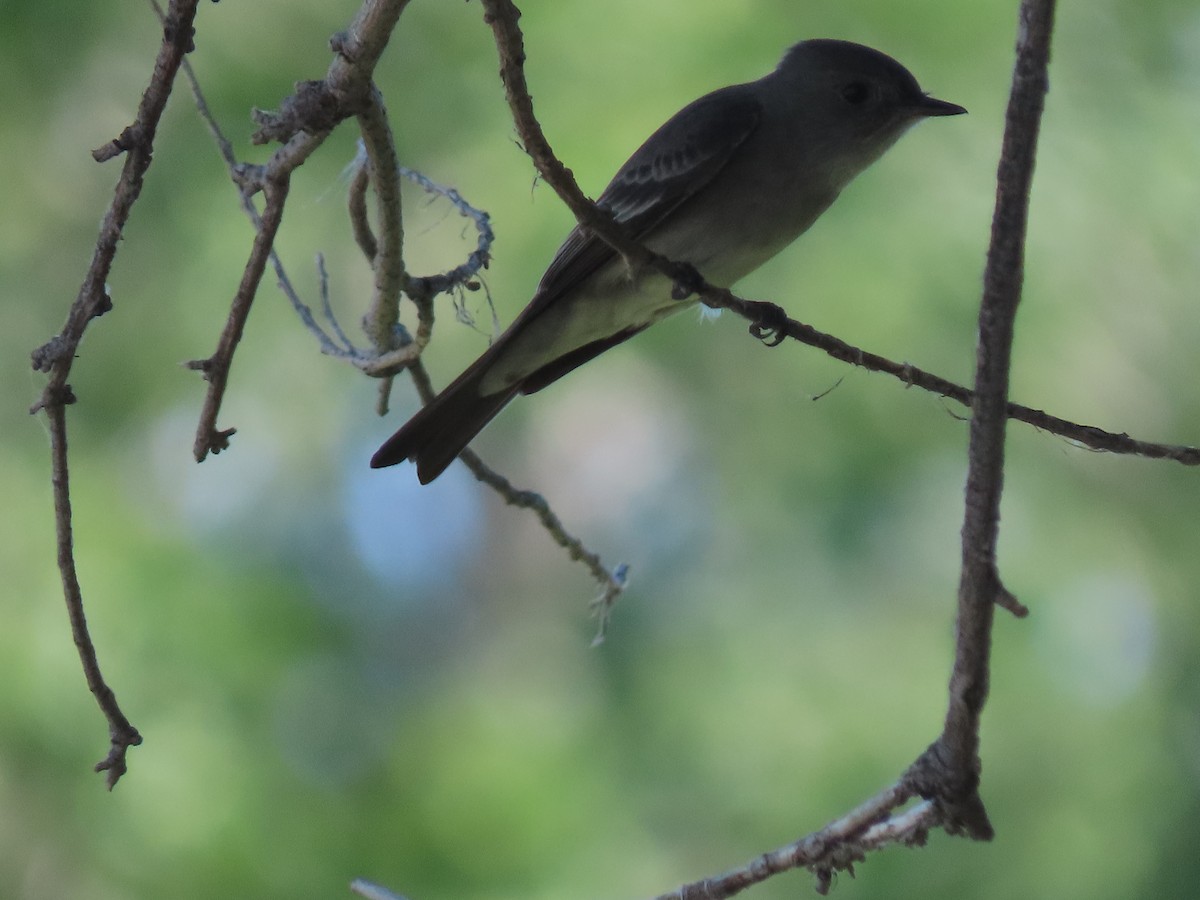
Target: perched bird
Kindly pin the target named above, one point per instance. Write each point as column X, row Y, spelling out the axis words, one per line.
column 725, row 184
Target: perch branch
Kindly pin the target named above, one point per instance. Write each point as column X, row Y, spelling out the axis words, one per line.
column 216, row 368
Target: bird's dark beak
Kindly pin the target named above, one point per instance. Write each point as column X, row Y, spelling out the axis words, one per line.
column 929, row 106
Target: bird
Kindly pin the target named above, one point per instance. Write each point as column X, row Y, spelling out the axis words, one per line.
column 725, row 184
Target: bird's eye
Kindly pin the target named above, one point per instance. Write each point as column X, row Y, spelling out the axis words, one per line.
column 856, row 93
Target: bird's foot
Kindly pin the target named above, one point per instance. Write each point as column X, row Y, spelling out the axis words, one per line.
column 770, row 322
column 687, row 281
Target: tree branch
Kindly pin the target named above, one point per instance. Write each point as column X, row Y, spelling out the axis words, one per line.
column 387, row 261
column 837, row 846
column 612, row 582
column 216, row 368
column 57, row 356
column 1089, row 436
column 303, row 122
column 949, row 770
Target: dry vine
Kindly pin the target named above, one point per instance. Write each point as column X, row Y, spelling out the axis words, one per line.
column 946, row 777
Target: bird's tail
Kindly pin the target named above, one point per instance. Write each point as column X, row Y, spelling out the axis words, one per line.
column 441, row 429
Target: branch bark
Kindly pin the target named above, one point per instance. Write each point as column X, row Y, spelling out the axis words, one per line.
column 57, row 356
column 304, row 121
column 949, row 770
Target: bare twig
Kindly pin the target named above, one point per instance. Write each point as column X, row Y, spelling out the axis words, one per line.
column 274, row 180
column 238, row 174
column 949, row 770
column 57, row 356
column 612, row 582
column 346, row 345
column 216, row 368
column 387, row 261
column 122, row 733
column 837, row 846
column 1087, row 435
column 360, row 221
column 386, row 360
column 302, row 124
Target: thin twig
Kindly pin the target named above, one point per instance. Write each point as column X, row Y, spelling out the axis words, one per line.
column 122, row 733
column 387, row 262
column 364, row 236
column 612, row 582
column 57, row 356
column 1089, row 436
column 839, row 845
column 303, row 122
column 360, row 220
column 238, row 173
column 347, row 346
column 274, row 180
column 949, row 770
column 385, row 360
column 216, row 368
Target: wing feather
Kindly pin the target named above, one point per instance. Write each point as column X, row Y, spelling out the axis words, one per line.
column 673, row 165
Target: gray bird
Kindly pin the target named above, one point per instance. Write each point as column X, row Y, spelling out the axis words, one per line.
column 725, row 184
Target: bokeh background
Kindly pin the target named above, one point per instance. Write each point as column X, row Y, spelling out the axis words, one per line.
column 339, row 673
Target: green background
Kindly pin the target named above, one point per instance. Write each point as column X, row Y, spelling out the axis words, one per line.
column 341, row 674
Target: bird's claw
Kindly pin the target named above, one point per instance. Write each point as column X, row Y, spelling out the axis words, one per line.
column 770, row 323
column 687, row 281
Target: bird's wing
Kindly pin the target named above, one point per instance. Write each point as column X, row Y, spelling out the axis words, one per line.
column 673, row 165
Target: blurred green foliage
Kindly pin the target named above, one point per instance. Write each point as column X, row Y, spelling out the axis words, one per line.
column 338, row 674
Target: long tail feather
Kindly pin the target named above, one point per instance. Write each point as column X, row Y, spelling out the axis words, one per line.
column 441, row 430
